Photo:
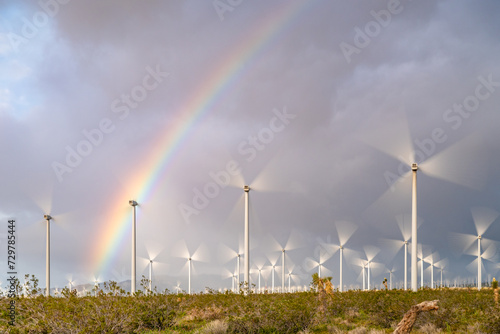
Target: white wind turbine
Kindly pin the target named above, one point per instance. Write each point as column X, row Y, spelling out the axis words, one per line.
column 441, row 264
column 134, row 204
column 368, row 263
column 71, row 282
column 227, row 254
column 153, row 249
column 292, row 243
column 320, row 253
column 268, row 180
column 483, row 218
column 394, row 246
column 177, row 288
column 228, row 274
column 391, row 272
column 292, row 276
column 432, row 260
column 200, row 255
column 448, row 164
column 262, row 271
column 362, row 264
column 345, row 230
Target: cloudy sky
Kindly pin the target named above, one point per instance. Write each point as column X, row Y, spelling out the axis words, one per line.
column 319, row 106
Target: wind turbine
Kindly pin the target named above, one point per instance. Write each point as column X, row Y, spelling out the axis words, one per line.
column 71, row 282
column 432, row 260
column 396, row 245
column 181, row 250
column 246, row 276
column 448, row 165
column 345, row 230
column 391, row 272
column 133, row 274
column 441, row 264
column 483, row 218
column 177, row 288
column 48, row 218
column 153, row 249
column 371, row 252
column 321, row 254
column 292, row 276
column 362, row 264
column 227, row 254
column 260, row 269
column 96, row 281
column 228, row 274
column 293, row 242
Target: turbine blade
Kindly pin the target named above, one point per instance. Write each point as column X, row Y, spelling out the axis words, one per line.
column 153, row 248
column 483, row 218
column 395, row 140
column 295, row 240
column 450, row 165
column 371, row 251
column 392, row 247
column 180, row 249
column 404, row 224
column 462, row 242
column 323, row 255
column 201, row 254
column 226, row 253
column 394, row 200
column 271, row 178
column 310, row 264
column 472, row 267
column 490, row 250
column 345, row 230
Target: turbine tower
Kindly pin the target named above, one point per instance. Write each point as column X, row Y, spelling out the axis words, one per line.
column 47, row 263
column 189, row 275
column 150, row 276
column 246, row 276
column 283, row 271
column 414, row 287
column 483, row 218
column 132, row 283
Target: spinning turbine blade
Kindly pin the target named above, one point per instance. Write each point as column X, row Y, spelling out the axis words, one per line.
column 404, row 224
column 345, row 230
column 395, row 141
column 451, row 166
column 483, row 218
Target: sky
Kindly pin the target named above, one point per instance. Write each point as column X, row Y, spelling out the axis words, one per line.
column 319, row 106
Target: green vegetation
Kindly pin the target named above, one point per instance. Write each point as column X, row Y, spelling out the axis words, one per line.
column 325, row 311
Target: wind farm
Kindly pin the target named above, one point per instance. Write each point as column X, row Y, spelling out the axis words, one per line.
column 288, row 152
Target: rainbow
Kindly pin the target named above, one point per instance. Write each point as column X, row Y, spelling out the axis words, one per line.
column 116, row 225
